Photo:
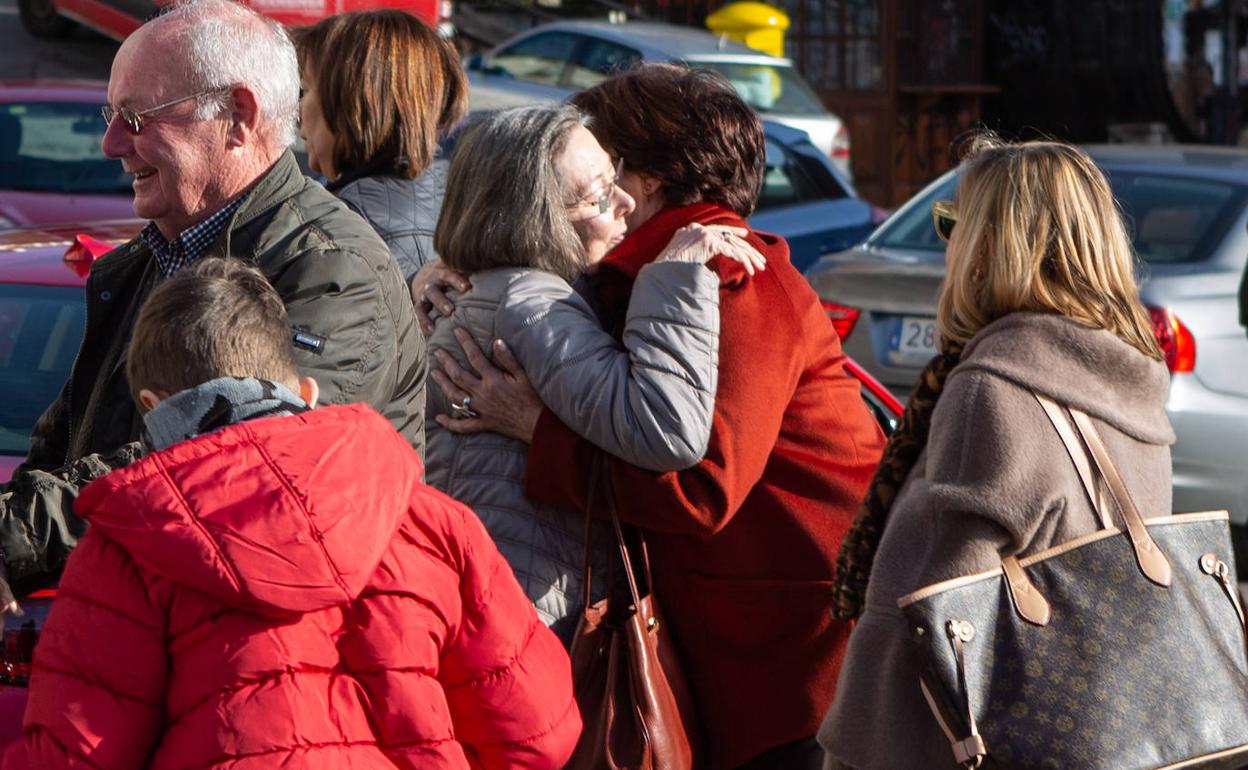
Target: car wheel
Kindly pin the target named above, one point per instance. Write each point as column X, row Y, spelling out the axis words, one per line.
column 41, row 19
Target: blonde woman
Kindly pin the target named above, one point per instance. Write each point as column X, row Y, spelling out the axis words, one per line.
column 1039, row 298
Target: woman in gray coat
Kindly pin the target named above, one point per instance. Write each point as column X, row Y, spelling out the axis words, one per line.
column 531, row 203
column 1039, row 298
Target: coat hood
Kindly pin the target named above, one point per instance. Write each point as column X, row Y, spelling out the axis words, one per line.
column 1074, row 364
column 280, row 515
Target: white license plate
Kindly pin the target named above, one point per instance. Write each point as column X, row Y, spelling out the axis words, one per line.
column 913, row 341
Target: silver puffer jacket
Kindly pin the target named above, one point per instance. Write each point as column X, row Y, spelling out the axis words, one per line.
column 649, row 404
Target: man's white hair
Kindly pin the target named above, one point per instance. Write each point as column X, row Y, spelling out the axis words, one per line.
column 227, row 44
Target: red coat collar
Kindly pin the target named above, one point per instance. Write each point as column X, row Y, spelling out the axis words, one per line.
column 644, row 244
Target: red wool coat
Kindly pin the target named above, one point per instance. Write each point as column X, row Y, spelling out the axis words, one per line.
column 287, row 593
column 743, row 545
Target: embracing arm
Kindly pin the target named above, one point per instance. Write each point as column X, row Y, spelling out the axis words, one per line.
column 649, row 403
column 762, row 355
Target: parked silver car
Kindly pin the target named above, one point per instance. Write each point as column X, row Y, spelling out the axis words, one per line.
column 557, row 59
column 1186, row 209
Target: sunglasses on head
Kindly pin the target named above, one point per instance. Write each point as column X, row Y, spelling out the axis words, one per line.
column 944, row 217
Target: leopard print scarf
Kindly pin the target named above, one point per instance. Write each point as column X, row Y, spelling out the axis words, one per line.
column 853, row 563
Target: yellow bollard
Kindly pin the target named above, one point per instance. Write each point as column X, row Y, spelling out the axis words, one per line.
column 758, row 25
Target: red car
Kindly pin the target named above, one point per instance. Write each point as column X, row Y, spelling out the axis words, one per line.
column 52, row 169
column 118, row 18
column 42, row 316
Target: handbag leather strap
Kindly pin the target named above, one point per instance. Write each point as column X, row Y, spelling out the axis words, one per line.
column 1152, row 562
column 1079, row 455
column 601, row 494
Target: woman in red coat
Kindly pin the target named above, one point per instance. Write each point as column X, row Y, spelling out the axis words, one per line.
column 743, row 545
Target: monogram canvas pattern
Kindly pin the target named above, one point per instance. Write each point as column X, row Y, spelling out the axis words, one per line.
column 1127, row 674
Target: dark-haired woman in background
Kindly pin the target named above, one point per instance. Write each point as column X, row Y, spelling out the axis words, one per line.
column 380, row 88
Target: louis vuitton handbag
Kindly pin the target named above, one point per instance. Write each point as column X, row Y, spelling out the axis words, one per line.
column 1122, row 649
column 629, row 685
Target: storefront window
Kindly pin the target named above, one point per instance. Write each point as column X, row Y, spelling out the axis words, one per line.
column 836, row 43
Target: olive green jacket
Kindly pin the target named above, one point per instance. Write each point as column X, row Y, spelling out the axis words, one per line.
column 340, row 285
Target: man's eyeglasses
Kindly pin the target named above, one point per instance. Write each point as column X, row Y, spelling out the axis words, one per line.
column 134, row 119
column 603, row 203
column 944, row 217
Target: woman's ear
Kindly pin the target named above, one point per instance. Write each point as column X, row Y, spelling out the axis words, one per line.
column 309, row 391
column 650, row 184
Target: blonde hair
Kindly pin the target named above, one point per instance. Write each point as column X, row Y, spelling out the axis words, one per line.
column 1038, row 231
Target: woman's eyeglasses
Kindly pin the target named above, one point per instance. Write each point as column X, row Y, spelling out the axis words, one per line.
column 944, row 217
column 134, row 119
column 603, row 203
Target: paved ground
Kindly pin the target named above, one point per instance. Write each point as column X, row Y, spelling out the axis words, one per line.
column 83, row 54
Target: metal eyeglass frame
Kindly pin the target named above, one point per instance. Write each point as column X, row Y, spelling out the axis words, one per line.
column 134, row 119
column 604, row 202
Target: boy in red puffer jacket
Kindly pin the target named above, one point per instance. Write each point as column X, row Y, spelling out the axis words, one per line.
column 274, row 586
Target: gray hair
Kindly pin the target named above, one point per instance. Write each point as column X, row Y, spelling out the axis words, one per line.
column 504, row 203
column 226, row 43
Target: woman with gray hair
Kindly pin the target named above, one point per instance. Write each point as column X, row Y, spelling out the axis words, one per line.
column 532, row 203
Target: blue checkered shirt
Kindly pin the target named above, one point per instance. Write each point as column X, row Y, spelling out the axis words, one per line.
column 172, row 256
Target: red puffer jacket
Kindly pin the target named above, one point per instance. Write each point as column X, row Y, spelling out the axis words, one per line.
column 287, row 593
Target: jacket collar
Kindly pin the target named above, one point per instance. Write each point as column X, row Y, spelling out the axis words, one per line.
column 283, row 180
column 1078, row 365
column 642, row 245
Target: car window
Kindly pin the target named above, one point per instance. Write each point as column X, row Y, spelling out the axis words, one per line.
column 597, row 60
column 768, row 87
column 1176, row 219
column 55, row 147
column 912, row 229
column 539, row 59
column 40, row 329
column 1169, row 218
column 791, row 177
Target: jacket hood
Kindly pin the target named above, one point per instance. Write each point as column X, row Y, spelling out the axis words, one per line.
column 1083, row 367
column 279, row 515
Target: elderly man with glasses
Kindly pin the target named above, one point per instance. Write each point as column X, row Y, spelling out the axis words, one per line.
column 203, row 104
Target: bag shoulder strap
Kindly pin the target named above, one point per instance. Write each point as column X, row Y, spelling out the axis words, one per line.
column 601, row 495
column 1152, row 562
column 1079, row 455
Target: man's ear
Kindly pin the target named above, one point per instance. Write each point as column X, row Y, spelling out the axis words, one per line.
column 244, row 117
column 309, row 391
column 149, row 399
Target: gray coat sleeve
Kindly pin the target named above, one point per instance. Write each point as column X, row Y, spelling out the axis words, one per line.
column 650, row 403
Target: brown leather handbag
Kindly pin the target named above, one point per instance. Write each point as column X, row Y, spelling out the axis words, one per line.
column 634, row 702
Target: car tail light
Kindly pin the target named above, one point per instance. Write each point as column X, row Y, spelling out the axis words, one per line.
column 843, row 318
column 1176, row 340
column 19, row 636
column 878, row 215
column 840, row 143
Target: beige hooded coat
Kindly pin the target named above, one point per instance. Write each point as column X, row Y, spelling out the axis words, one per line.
column 994, row 480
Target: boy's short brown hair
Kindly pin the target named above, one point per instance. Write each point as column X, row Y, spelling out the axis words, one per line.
column 217, row 317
